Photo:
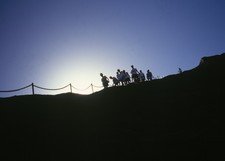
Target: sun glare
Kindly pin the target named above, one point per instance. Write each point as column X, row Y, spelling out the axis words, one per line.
column 84, row 79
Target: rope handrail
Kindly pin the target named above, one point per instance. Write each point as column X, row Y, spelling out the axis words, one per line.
column 51, row 89
column 80, row 89
column 33, row 86
column 97, row 86
column 15, row 90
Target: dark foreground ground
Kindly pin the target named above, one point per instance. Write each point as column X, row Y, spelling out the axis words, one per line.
column 178, row 118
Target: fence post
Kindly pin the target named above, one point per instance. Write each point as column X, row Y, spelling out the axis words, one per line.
column 71, row 91
column 92, row 88
column 32, row 88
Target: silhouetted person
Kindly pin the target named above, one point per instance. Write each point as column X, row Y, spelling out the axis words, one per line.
column 105, row 80
column 180, row 70
column 127, row 78
column 115, row 80
column 149, row 75
column 123, row 75
column 141, row 76
column 134, row 74
column 120, row 76
column 202, row 60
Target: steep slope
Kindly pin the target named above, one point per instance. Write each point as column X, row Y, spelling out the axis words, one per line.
column 180, row 117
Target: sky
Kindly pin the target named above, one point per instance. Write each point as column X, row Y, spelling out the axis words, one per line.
column 56, row 42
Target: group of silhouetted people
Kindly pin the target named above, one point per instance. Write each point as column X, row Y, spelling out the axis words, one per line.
column 123, row 77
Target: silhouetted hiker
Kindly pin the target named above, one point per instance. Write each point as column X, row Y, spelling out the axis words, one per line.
column 120, row 76
column 105, row 80
column 127, row 78
column 202, row 60
column 149, row 75
column 134, row 74
column 141, row 76
column 123, row 75
column 115, row 80
column 180, row 70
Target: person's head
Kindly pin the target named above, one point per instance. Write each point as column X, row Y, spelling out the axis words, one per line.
column 101, row 74
column 132, row 66
column 118, row 70
column 148, row 70
column 111, row 77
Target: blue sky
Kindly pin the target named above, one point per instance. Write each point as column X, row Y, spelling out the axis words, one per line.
column 56, row 42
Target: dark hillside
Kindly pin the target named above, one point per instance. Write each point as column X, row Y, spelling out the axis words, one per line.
column 179, row 117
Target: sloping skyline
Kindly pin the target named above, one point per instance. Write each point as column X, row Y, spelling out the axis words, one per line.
column 53, row 43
